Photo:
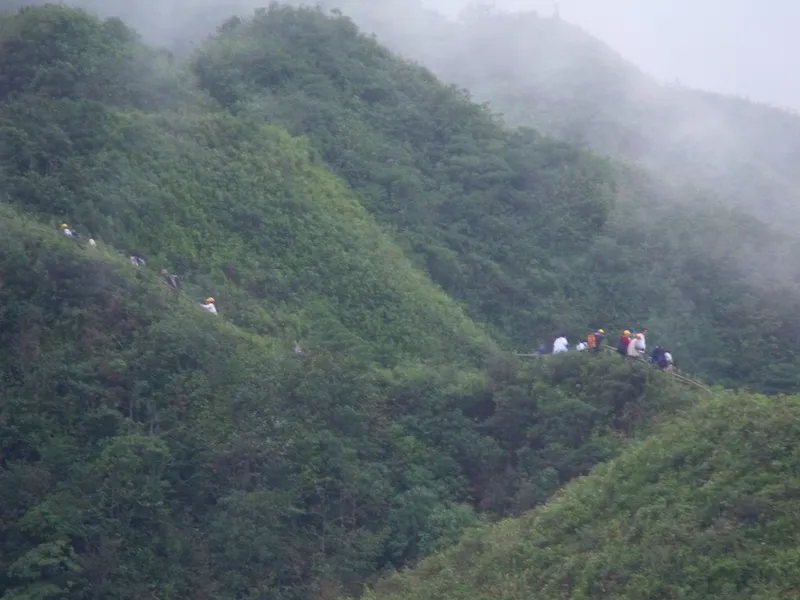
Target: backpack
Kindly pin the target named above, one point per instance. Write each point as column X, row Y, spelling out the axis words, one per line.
column 622, row 347
column 591, row 339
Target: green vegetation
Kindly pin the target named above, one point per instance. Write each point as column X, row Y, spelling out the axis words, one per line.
column 148, row 448
column 526, row 232
column 322, row 190
column 127, row 150
column 705, row 509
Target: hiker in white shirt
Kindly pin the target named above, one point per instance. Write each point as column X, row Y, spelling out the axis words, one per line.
column 636, row 347
column 560, row 345
column 209, row 306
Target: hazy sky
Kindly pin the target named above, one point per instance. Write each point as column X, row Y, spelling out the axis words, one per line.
column 731, row 46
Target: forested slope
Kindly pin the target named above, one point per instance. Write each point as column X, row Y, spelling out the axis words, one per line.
column 323, row 190
column 150, row 449
column 706, row 509
column 532, row 235
column 105, row 134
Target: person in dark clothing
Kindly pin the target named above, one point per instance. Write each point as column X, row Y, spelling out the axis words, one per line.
column 172, row 280
column 662, row 358
column 656, row 355
column 599, row 338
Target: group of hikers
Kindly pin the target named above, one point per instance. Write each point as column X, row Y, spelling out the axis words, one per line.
column 631, row 345
column 173, row 281
column 137, row 261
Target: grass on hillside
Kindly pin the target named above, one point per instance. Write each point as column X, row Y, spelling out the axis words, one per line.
column 704, row 509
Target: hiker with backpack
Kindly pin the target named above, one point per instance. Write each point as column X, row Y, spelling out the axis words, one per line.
column 657, row 357
column 595, row 340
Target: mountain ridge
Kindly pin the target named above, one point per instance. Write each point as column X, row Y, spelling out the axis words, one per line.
column 149, row 448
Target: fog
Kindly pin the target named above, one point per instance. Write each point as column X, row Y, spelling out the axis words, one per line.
column 737, row 47
column 740, row 47
column 553, row 76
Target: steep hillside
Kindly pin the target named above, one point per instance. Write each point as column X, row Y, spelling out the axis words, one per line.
column 106, row 135
column 525, row 231
column 707, row 509
column 150, row 449
column 486, row 209
column 531, row 236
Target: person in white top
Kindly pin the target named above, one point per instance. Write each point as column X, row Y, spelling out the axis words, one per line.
column 581, row 346
column 636, row 347
column 668, row 359
column 644, row 340
column 66, row 230
column 209, row 306
column 560, row 345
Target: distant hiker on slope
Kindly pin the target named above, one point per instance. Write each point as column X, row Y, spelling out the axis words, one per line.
column 594, row 339
column 636, row 347
column 209, row 306
column 624, row 342
column 644, row 338
column 669, row 365
column 172, row 280
column 66, row 230
column 582, row 346
column 560, row 345
column 591, row 341
column 657, row 355
column 600, row 337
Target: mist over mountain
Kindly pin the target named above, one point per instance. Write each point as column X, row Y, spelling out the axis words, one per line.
column 542, row 71
column 743, row 48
